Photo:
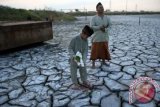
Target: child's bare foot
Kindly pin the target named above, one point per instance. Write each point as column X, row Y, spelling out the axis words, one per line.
column 77, row 87
column 87, row 85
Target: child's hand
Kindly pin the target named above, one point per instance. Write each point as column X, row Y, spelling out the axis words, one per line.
column 77, row 58
column 74, row 58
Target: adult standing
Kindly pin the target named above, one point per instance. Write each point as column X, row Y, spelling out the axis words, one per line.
column 100, row 24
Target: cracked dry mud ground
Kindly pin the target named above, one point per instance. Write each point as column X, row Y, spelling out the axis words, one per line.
column 40, row 76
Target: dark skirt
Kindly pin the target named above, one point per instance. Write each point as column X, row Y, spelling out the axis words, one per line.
column 100, row 50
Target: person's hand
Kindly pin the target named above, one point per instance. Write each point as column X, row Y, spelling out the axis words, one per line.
column 106, row 26
column 102, row 28
column 74, row 58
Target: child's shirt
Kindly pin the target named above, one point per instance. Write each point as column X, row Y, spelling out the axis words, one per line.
column 78, row 44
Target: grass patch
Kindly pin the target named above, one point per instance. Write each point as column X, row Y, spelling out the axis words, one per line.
column 12, row 14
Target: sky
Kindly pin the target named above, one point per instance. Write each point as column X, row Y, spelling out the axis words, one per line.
column 66, row 5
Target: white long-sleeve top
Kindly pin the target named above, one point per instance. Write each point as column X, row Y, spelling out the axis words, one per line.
column 96, row 22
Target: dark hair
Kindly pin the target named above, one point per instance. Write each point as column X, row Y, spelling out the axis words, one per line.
column 87, row 30
column 98, row 4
